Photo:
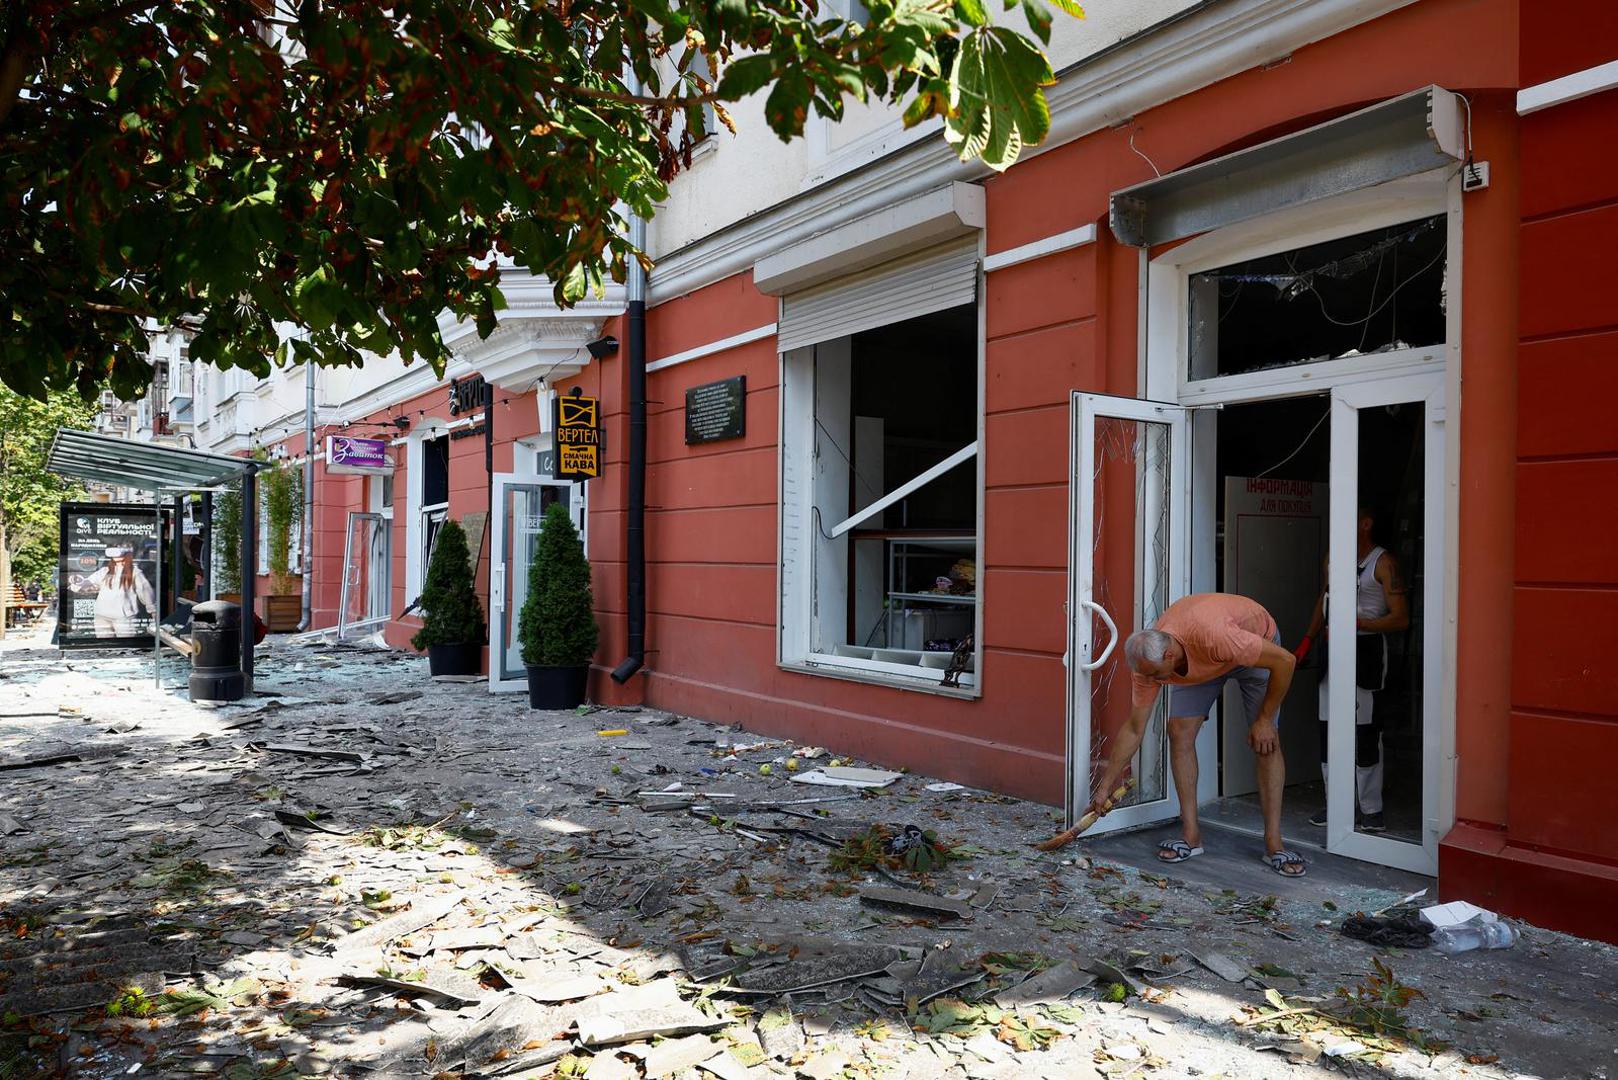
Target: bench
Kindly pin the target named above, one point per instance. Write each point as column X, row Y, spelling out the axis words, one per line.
column 19, row 608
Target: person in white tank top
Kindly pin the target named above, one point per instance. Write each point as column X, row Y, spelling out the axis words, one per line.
column 1381, row 607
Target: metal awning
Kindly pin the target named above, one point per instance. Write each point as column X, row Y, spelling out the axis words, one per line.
column 123, row 463
column 1404, row 136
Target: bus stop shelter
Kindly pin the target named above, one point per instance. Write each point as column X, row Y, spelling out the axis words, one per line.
column 170, row 472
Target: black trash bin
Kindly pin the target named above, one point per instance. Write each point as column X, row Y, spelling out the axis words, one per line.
column 216, row 659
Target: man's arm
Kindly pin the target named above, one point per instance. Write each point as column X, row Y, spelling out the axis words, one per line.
column 1394, row 592
column 1122, row 752
column 1280, row 663
column 1317, row 621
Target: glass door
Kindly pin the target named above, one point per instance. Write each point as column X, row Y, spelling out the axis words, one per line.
column 1128, row 561
column 363, row 602
column 1384, row 648
column 520, row 503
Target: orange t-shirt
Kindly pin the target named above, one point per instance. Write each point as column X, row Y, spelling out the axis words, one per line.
column 1219, row 631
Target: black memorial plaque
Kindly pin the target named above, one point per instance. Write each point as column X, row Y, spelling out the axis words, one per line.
column 716, row 410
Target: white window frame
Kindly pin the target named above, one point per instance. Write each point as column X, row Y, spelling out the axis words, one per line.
column 1165, row 362
column 795, row 497
column 374, row 501
column 1169, row 307
column 416, row 511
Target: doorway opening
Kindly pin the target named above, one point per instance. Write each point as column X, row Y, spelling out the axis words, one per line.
column 1271, row 528
column 520, row 502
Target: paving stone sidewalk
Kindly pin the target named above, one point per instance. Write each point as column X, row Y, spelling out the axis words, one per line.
column 362, row 872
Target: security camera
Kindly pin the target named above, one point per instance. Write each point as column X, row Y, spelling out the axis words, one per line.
column 603, row 347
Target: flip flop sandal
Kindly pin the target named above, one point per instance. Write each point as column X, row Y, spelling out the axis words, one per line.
column 1177, row 848
column 1279, row 860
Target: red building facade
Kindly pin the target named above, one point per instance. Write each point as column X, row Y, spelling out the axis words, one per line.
column 1477, row 426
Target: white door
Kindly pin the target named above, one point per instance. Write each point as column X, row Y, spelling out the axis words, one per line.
column 520, row 501
column 1129, row 559
column 363, row 601
column 1410, row 703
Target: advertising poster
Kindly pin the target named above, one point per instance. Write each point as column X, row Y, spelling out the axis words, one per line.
column 108, row 570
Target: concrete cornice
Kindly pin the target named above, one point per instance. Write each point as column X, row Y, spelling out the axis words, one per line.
column 1191, row 51
column 534, row 339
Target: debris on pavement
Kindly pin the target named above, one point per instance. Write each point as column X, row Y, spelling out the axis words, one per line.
column 910, row 900
column 1054, row 984
column 364, row 872
column 1222, row 966
column 847, row 776
column 1389, row 931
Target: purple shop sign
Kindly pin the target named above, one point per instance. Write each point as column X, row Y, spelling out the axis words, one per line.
column 350, row 454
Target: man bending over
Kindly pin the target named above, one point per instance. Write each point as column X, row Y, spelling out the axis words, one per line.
column 1200, row 642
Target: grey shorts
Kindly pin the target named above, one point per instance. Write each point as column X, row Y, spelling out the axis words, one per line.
column 1199, row 699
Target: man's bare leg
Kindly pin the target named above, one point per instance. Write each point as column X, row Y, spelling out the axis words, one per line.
column 1272, row 779
column 1183, row 761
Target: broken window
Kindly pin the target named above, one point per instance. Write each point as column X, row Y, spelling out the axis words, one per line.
column 1373, row 292
column 433, row 499
column 891, row 540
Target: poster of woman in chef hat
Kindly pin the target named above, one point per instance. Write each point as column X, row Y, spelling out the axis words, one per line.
column 122, row 590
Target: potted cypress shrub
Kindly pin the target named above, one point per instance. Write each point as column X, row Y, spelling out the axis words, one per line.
column 227, row 539
column 558, row 624
column 452, row 619
column 283, row 509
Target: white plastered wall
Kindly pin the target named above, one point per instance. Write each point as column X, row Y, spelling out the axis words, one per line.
column 753, row 170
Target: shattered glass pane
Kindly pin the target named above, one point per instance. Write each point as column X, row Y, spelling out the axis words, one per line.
column 1130, row 546
column 1372, row 292
column 525, row 510
column 365, row 587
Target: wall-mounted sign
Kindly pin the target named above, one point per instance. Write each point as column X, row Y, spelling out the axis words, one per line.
column 578, row 438
column 479, row 428
column 467, row 394
column 108, row 575
column 716, row 410
column 355, row 456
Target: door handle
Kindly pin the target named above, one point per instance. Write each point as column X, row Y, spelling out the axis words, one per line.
column 1112, row 640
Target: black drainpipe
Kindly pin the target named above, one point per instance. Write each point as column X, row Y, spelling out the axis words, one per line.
column 635, row 527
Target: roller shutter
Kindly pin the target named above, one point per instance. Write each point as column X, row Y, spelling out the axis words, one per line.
column 932, row 280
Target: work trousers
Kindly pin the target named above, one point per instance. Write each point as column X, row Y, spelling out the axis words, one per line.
column 1367, row 747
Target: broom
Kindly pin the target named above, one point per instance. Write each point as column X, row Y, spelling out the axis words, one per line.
column 1061, row 839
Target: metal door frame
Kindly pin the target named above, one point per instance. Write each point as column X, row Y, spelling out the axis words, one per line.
column 1346, row 404
column 499, row 571
column 1082, row 657
column 343, row 625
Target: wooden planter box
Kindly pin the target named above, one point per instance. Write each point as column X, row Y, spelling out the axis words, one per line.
column 282, row 613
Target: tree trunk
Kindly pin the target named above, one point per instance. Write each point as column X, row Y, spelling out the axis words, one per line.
column 5, row 581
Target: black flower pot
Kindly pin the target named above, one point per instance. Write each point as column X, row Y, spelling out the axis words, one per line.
column 455, row 659
column 557, row 687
